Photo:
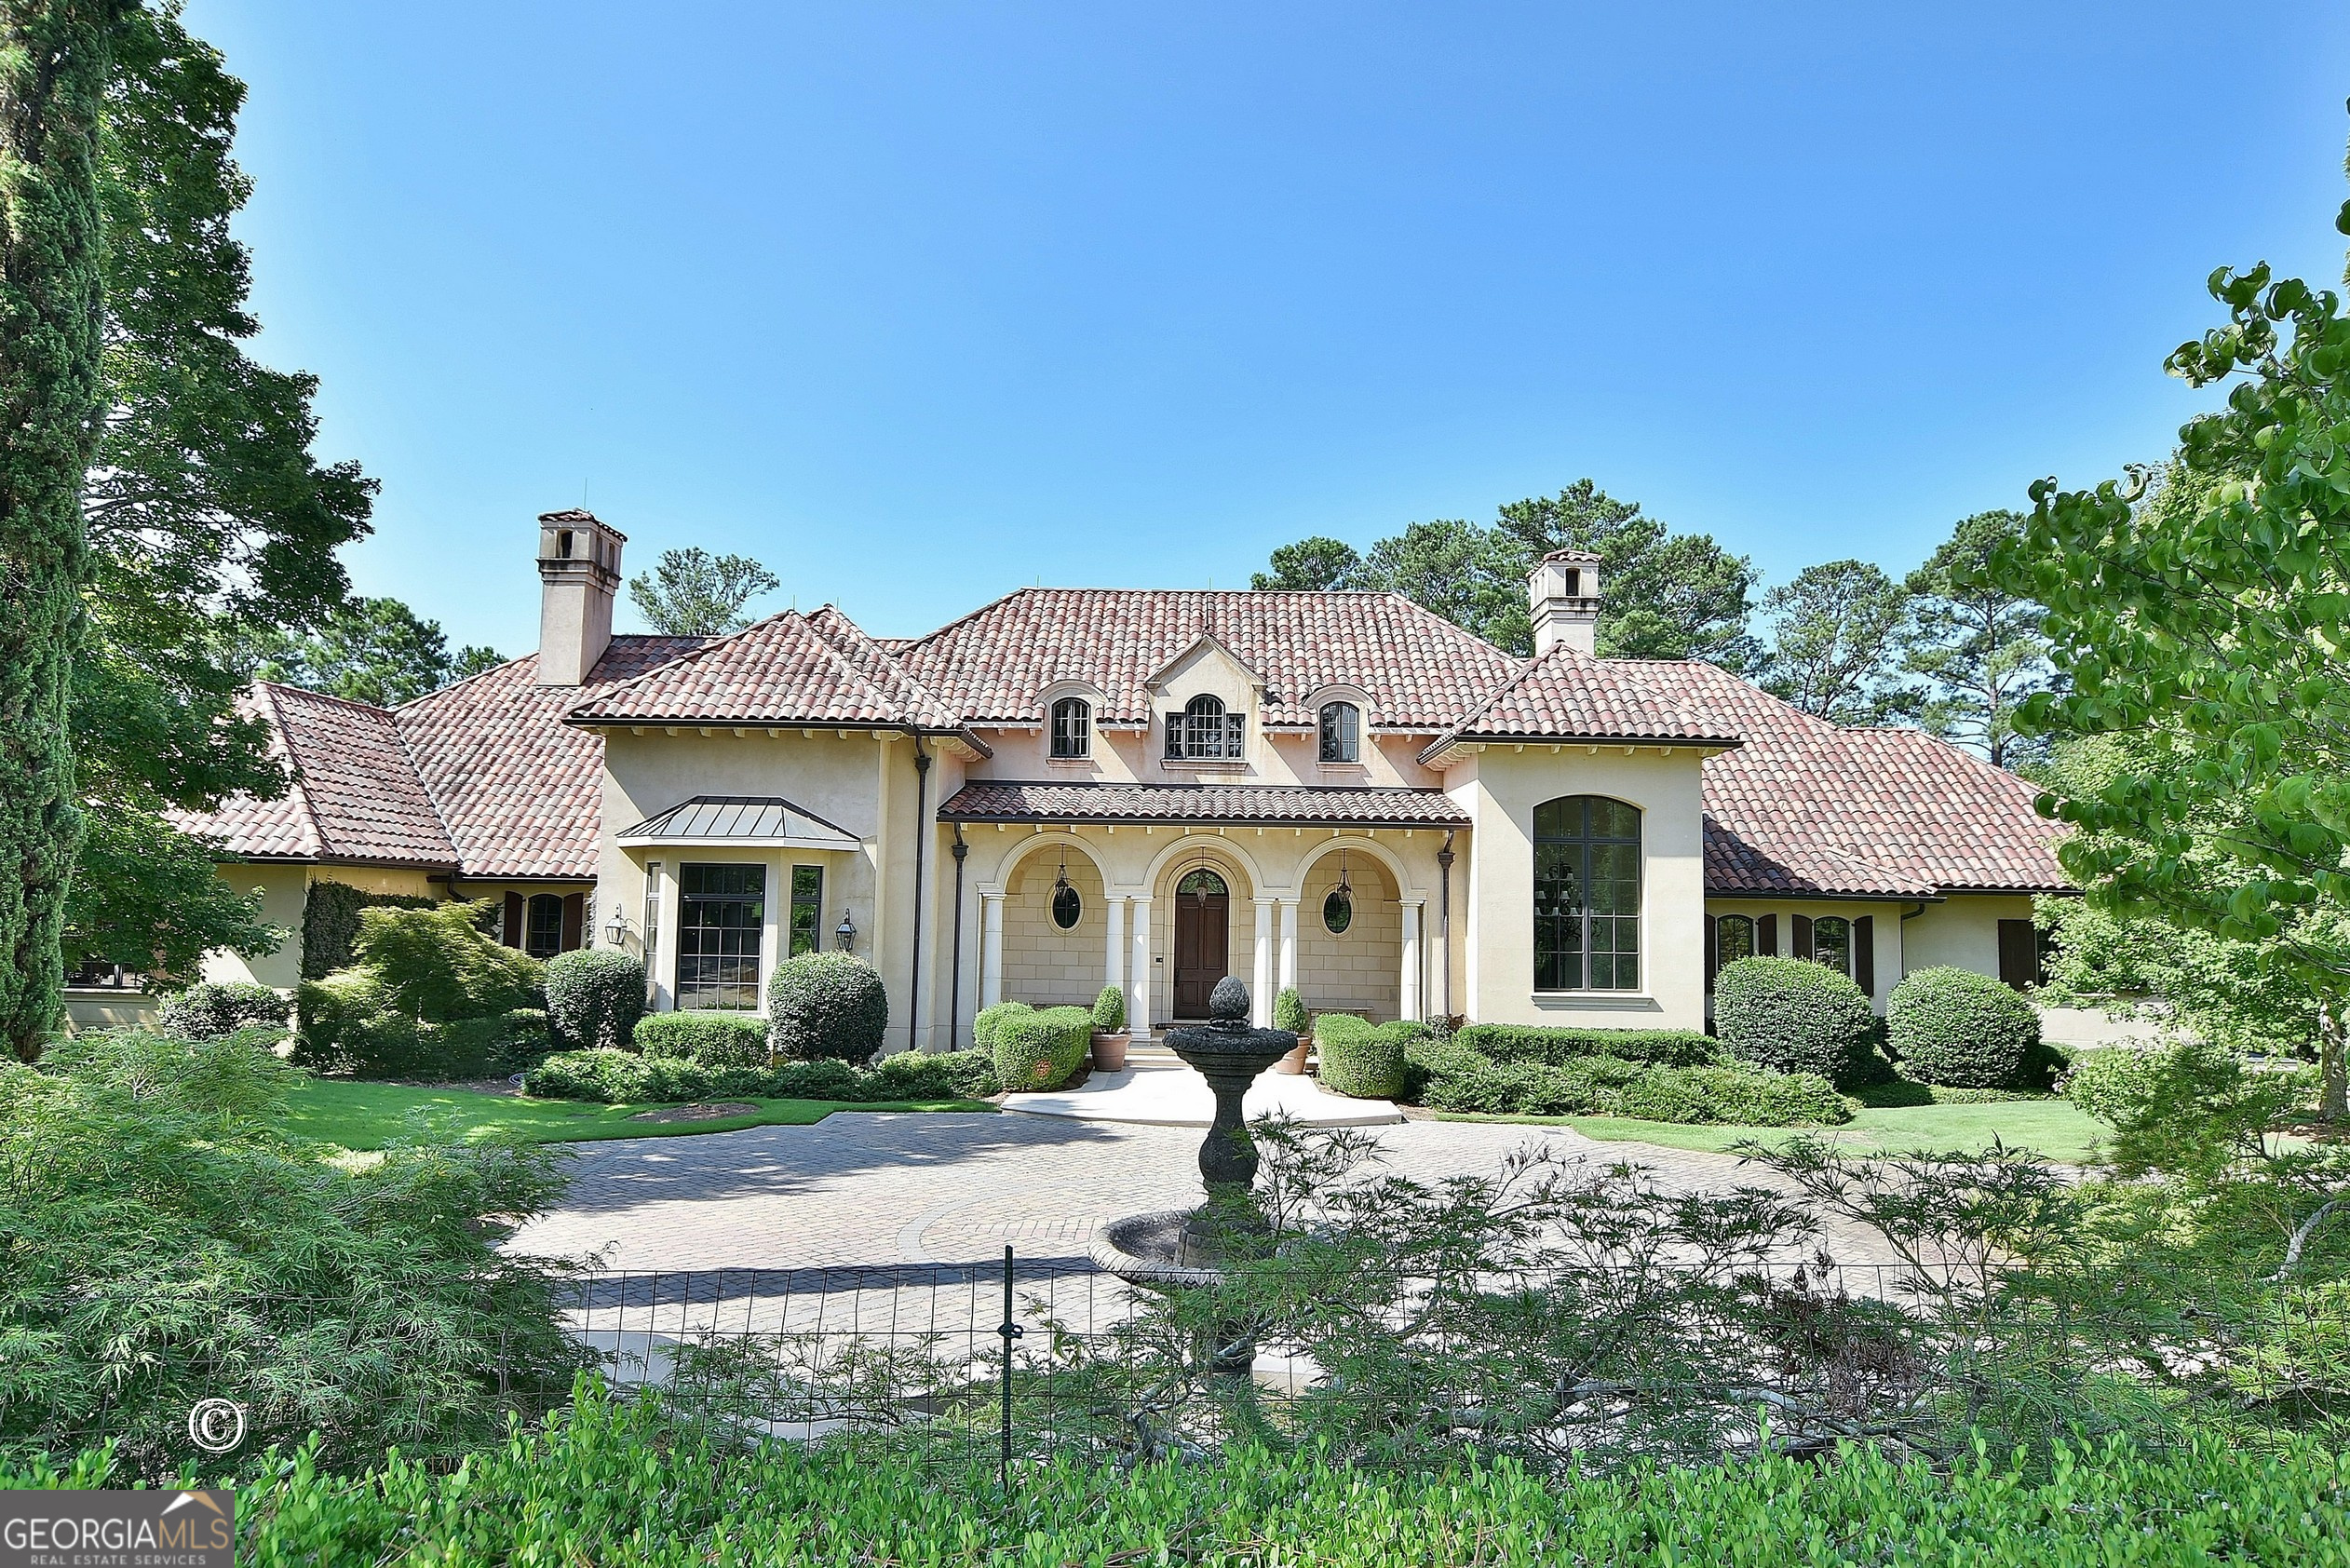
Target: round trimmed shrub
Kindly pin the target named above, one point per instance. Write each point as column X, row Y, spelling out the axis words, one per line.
column 825, row 1005
column 715, row 1039
column 594, row 997
column 1038, row 1050
column 1109, row 1010
column 214, row 1010
column 1966, row 1030
column 1790, row 1015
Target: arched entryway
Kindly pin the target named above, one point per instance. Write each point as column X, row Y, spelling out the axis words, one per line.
column 1206, row 900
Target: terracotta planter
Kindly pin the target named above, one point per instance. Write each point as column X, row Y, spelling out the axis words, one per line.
column 1109, row 1050
column 1293, row 1065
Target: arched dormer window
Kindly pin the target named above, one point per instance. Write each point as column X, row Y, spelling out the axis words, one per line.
column 1204, row 732
column 1072, row 728
column 1341, row 732
column 1586, row 895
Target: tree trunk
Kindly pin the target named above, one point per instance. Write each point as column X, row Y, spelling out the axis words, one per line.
column 2333, row 1068
column 54, row 60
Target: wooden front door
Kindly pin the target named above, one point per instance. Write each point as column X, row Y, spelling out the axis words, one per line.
column 1203, row 941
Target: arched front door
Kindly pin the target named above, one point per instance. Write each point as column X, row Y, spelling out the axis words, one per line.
column 1202, row 940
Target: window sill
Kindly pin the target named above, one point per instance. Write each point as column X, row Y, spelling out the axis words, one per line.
column 1627, row 1000
column 1214, row 765
column 1069, row 762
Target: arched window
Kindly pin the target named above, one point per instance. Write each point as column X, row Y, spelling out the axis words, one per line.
column 1733, row 939
column 1073, row 727
column 1831, row 944
column 1203, row 731
column 1341, row 732
column 1586, row 895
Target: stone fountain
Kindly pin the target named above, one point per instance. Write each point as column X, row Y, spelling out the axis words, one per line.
column 1176, row 1249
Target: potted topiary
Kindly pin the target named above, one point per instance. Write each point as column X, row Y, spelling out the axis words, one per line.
column 1288, row 1012
column 1110, row 1035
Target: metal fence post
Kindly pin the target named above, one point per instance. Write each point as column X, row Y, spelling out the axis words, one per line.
column 1010, row 1331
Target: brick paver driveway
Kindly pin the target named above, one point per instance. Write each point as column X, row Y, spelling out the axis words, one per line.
column 886, row 1190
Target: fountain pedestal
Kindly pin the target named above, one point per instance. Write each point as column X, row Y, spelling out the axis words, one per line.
column 1179, row 1250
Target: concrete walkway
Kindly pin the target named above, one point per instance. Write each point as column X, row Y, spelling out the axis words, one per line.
column 1169, row 1094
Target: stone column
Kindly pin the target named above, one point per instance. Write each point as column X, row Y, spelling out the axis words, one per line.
column 1411, row 991
column 1138, row 970
column 1113, row 960
column 1288, row 944
column 1262, row 990
column 991, row 949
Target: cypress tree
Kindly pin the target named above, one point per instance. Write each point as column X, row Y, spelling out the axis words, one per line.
column 55, row 56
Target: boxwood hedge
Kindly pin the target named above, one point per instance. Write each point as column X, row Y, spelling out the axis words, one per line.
column 714, row 1039
column 211, row 1010
column 618, row 1078
column 1559, row 1044
column 1038, row 1049
column 1362, row 1060
column 1954, row 1026
column 1790, row 1015
column 607, row 1481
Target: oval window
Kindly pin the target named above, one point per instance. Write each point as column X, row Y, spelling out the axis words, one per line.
column 1067, row 906
column 1338, row 912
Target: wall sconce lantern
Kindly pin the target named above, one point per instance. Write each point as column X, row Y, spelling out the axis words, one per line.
column 846, row 932
column 617, row 932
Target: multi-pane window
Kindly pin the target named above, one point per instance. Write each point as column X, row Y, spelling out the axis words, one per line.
column 1073, row 727
column 1733, row 939
column 1342, row 732
column 542, row 924
column 1831, row 944
column 721, row 908
column 1586, row 895
column 808, row 909
column 1204, row 732
column 651, row 919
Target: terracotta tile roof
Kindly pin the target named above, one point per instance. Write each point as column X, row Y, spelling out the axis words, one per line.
column 522, row 791
column 1419, row 671
column 1570, row 695
column 355, row 795
column 1281, row 804
column 790, row 668
column 1809, row 808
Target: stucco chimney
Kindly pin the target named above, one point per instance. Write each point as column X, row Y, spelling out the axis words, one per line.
column 579, row 574
column 1564, row 593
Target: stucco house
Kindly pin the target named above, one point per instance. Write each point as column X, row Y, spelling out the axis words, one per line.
column 1069, row 788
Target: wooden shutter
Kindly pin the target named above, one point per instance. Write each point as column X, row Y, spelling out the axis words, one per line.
column 1864, row 956
column 1766, row 937
column 574, row 917
column 1713, row 951
column 512, row 935
column 2019, row 953
column 1802, row 947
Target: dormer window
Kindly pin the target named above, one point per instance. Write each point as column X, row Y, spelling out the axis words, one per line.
column 1341, row 732
column 1072, row 728
column 1204, row 732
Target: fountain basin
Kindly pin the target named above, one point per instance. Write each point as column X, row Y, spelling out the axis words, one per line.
column 1145, row 1250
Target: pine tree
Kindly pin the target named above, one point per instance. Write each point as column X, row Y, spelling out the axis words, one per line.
column 55, row 58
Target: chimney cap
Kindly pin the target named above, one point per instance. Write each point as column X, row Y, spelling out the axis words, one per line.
column 1591, row 557
column 580, row 517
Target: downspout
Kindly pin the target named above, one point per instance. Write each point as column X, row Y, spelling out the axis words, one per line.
column 921, row 836
column 954, row 968
column 1444, row 921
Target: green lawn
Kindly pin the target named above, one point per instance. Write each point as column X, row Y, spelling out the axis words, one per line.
column 2053, row 1127
column 362, row 1116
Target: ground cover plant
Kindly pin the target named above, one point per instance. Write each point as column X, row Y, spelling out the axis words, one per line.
column 609, row 1480
column 616, row 1077
column 168, row 1239
column 2051, row 1128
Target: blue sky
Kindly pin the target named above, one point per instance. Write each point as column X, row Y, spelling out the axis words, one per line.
column 920, row 303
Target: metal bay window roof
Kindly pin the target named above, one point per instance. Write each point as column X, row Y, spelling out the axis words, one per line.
column 745, row 821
